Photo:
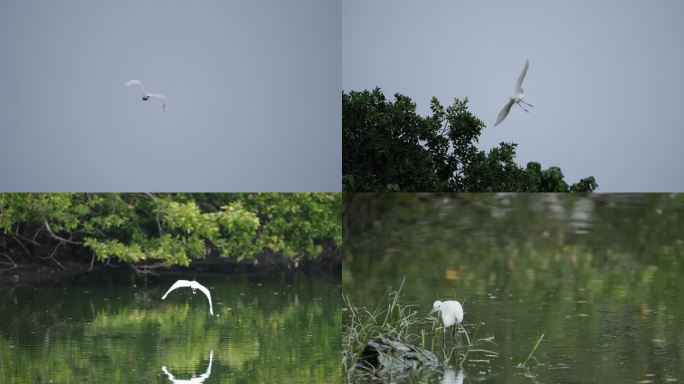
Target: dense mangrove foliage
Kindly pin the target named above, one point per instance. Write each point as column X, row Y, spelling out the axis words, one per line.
column 387, row 146
column 147, row 231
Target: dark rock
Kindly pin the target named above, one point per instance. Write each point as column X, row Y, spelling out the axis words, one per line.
column 386, row 356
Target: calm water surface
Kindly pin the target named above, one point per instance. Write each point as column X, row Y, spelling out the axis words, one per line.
column 283, row 328
column 602, row 276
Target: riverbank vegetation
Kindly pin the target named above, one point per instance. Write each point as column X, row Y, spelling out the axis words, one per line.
column 393, row 341
column 390, row 318
column 152, row 231
column 387, row 146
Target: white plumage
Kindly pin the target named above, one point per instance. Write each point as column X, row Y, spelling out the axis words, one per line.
column 517, row 98
column 450, row 312
column 147, row 95
column 195, row 286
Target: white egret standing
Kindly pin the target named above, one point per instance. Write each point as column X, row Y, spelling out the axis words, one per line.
column 194, row 380
column 451, row 313
column 195, row 286
column 517, row 98
column 146, row 95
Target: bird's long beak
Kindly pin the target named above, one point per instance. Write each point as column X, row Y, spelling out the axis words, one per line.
column 433, row 311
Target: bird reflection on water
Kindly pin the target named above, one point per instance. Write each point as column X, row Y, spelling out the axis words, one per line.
column 194, row 380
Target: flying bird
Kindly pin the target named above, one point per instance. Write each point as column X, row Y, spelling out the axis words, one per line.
column 147, row 95
column 517, row 98
column 451, row 313
column 195, row 286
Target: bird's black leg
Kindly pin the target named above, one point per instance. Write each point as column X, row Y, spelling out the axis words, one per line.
column 444, row 338
column 453, row 335
column 524, row 109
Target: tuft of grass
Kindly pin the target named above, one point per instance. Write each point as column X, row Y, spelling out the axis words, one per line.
column 462, row 352
column 389, row 318
column 394, row 320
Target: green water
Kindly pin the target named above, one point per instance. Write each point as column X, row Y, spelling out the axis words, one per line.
column 283, row 328
column 601, row 276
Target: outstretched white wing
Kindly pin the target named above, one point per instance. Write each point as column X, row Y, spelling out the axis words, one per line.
column 504, row 111
column 168, row 374
column 160, row 97
column 207, row 294
column 518, row 85
column 177, row 284
column 193, row 285
column 131, row 83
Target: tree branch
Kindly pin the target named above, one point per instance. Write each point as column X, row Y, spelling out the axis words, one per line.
column 32, row 241
column 52, row 256
column 12, row 262
column 92, row 261
column 443, row 129
column 153, row 197
column 18, row 240
column 56, row 237
column 159, row 226
column 147, row 269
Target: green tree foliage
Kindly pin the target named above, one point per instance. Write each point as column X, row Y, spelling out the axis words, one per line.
column 168, row 229
column 387, row 146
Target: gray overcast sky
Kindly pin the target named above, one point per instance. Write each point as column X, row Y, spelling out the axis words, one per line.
column 606, row 77
column 253, row 90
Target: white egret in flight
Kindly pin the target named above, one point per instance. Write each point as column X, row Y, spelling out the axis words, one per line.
column 517, row 98
column 195, row 286
column 451, row 313
column 146, row 95
column 194, row 380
